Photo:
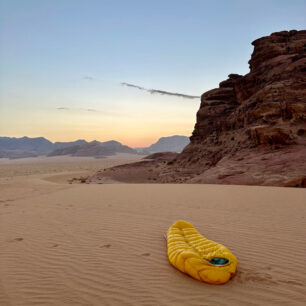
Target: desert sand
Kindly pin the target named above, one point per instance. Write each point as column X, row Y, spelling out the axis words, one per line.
column 102, row 244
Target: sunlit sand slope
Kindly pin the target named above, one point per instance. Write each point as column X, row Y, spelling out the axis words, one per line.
column 103, row 244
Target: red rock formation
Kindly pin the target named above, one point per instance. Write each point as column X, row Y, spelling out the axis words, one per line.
column 265, row 109
column 258, row 117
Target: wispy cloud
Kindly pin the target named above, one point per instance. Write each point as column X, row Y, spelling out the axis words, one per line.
column 89, row 109
column 78, row 109
column 160, row 92
column 89, row 78
column 132, row 85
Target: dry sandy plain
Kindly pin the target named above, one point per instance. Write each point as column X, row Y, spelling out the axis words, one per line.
column 79, row 244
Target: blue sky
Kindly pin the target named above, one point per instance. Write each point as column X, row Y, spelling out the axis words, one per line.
column 60, row 58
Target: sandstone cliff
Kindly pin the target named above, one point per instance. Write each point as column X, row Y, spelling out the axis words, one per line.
column 250, row 130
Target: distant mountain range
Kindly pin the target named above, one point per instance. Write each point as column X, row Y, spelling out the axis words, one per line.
column 11, row 147
column 38, row 145
column 61, row 145
column 174, row 143
column 94, row 148
column 14, row 154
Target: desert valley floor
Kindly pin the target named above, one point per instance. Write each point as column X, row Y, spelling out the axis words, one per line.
column 102, row 244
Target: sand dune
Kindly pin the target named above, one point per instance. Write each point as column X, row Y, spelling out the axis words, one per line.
column 79, row 244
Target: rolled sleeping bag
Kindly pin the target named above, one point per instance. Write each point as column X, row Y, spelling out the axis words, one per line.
column 195, row 255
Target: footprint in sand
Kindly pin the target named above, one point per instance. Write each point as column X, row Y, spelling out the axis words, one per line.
column 291, row 282
column 15, row 239
column 106, row 246
column 243, row 276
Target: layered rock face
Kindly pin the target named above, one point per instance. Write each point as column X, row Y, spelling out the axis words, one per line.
column 266, row 107
column 252, row 129
column 265, row 110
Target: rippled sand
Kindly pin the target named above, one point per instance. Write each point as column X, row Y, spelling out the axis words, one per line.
column 79, row 244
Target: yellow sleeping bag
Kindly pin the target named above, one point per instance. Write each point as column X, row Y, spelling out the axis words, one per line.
column 203, row 259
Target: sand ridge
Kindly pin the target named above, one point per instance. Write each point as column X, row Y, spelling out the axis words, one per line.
column 103, row 244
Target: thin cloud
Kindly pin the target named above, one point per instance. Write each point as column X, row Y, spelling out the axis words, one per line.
column 160, row 92
column 89, row 78
column 134, row 86
column 89, row 109
column 80, row 109
column 163, row 92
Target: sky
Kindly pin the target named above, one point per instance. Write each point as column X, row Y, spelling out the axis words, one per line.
column 66, row 65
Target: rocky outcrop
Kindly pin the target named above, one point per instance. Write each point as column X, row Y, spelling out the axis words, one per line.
column 266, row 107
column 162, row 156
column 251, row 121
